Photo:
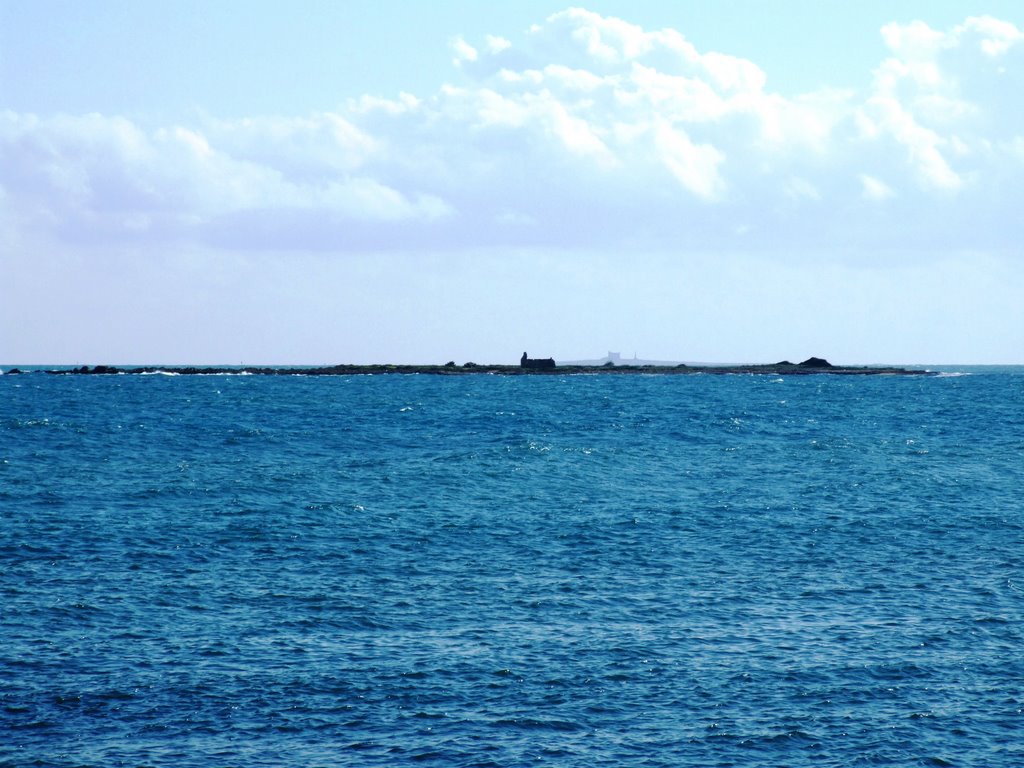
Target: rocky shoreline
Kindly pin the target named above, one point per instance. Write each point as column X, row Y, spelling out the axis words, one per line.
column 812, row 365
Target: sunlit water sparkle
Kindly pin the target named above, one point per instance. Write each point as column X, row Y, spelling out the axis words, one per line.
column 491, row 571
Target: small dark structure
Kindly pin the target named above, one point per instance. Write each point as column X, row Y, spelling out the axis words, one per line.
column 541, row 363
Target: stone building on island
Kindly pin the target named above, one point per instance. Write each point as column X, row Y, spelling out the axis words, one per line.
column 536, row 362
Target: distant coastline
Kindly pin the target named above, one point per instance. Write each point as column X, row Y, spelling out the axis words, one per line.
column 785, row 368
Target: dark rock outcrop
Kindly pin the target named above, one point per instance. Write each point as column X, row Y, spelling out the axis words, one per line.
column 815, row 362
column 102, row 369
column 527, row 366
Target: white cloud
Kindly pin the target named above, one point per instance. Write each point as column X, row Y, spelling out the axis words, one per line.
column 463, row 51
column 995, row 37
column 93, row 177
column 588, row 129
column 300, row 148
column 405, row 102
column 913, row 41
column 607, row 39
column 575, row 133
column 368, row 199
column 936, row 97
column 923, row 146
column 729, row 73
column 571, row 79
column 875, row 189
column 694, row 166
column 497, row 44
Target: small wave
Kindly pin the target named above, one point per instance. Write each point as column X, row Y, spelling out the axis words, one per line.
column 532, row 723
column 900, row 671
column 33, row 423
column 992, row 620
column 160, row 373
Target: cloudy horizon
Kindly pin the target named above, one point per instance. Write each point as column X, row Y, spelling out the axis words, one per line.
column 581, row 184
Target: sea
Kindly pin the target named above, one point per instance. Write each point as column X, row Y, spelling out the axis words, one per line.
column 484, row 570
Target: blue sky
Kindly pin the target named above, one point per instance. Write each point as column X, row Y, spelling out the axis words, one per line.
column 337, row 182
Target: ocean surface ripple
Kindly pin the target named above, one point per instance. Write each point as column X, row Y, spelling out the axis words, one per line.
column 494, row 571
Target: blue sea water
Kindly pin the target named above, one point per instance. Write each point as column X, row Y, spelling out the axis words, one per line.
column 509, row 571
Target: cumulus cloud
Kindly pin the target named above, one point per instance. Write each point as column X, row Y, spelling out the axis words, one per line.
column 587, row 130
column 994, row 37
column 463, row 52
column 875, row 189
column 695, row 167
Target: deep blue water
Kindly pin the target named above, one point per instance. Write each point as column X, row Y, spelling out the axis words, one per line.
column 511, row 571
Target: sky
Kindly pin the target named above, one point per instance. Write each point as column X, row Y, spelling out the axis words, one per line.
column 404, row 182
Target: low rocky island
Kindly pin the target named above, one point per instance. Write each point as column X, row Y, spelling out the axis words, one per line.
column 545, row 367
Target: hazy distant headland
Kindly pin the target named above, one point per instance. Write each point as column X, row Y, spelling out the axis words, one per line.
column 527, row 367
